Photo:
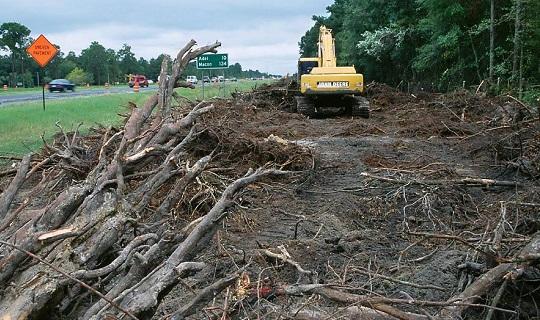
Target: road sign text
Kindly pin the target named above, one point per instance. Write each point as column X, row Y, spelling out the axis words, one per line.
column 213, row 61
column 42, row 51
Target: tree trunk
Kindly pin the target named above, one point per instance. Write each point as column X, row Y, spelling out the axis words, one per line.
column 13, row 73
column 520, row 83
column 22, row 66
column 476, row 61
column 517, row 41
column 492, row 41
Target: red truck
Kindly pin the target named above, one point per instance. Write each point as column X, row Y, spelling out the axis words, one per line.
column 143, row 82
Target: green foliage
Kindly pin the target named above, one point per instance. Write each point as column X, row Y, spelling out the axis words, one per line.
column 191, row 69
column 382, row 41
column 235, row 70
column 440, row 42
column 26, row 79
column 112, row 67
column 5, row 67
column 14, row 37
column 127, row 61
column 532, row 97
column 79, row 77
column 72, row 57
column 154, row 67
column 65, row 68
column 308, row 42
column 143, row 65
column 92, row 59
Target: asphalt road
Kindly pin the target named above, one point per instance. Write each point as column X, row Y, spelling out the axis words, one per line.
column 6, row 99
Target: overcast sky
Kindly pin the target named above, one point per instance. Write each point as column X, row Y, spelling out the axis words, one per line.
column 260, row 35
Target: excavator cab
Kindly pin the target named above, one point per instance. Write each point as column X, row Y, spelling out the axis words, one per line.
column 305, row 65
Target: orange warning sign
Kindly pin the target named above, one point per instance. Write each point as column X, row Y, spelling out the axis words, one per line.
column 42, row 50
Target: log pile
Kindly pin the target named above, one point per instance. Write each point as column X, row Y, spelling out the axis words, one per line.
column 101, row 226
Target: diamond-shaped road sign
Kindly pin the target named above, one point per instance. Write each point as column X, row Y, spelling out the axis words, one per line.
column 42, row 50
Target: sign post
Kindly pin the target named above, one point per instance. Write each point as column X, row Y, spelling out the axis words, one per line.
column 211, row 62
column 202, row 78
column 42, row 51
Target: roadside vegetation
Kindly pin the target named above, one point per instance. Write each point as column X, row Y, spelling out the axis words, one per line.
column 21, row 125
column 438, row 45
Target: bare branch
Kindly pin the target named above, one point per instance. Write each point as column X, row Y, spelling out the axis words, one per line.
column 6, row 198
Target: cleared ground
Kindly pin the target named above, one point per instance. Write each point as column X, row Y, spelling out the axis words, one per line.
column 401, row 213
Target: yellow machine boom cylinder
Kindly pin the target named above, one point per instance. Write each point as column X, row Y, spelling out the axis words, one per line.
column 327, row 48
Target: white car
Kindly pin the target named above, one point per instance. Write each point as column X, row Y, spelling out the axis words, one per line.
column 192, row 79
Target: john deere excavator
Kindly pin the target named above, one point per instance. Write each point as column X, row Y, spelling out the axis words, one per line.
column 324, row 85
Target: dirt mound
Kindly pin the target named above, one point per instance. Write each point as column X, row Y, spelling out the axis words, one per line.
column 277, row 95
column 247, row 138
column 384, row 96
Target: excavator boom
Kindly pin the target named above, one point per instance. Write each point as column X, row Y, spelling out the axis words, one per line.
column 327, row 48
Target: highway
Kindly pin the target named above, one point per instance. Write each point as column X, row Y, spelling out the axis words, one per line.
column 7, row 98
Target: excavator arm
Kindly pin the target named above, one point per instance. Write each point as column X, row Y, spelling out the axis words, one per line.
column 327, row 48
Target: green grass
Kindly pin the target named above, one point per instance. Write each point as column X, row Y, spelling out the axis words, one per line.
column 11, row 91
column 21, row 125
column 18, row 90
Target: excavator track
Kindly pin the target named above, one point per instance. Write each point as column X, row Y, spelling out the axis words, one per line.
column 305, row 106
column 360, row 108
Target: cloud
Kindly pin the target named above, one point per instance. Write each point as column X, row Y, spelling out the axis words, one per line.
column 254, row 48
column 258, row 35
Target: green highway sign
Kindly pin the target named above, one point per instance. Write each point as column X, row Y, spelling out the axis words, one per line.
column 213, row 61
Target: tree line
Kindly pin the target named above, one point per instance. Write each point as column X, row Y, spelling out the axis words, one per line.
column 94, row 65
column 438, row 43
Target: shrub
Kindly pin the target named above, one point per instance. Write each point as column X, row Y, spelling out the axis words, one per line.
column 79, row 77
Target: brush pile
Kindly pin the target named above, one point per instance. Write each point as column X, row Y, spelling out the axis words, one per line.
column 127, row 210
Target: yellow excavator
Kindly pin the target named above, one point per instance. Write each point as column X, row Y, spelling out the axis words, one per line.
column 324, row 85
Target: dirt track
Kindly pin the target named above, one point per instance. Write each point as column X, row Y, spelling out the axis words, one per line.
column 404, row 231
